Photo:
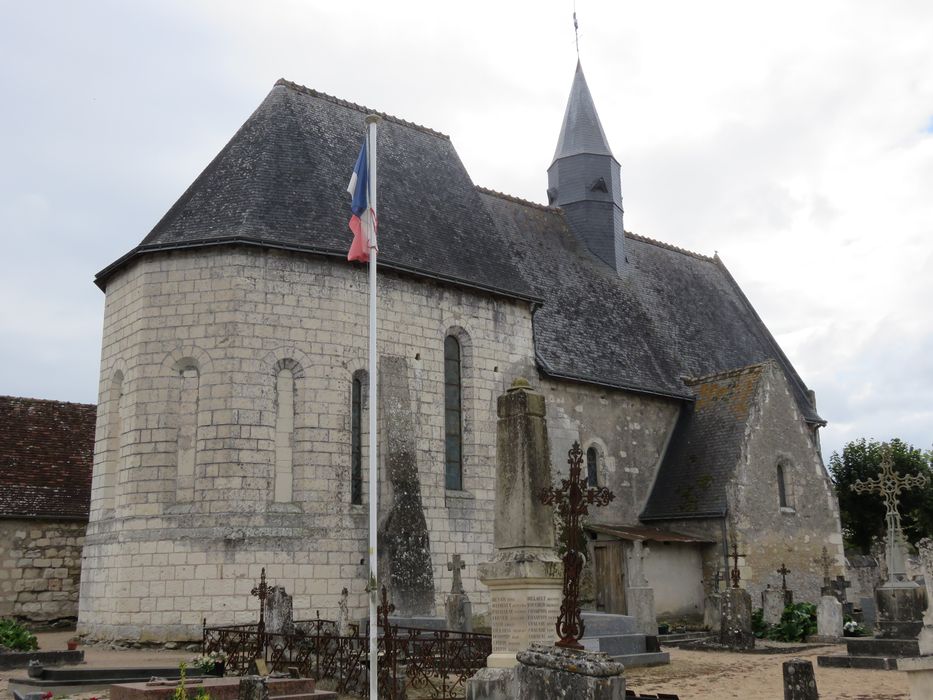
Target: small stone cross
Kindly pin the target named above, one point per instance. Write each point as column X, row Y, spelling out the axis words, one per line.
column 572, row 499
column 455, row 565
column 783, row 571
column 825, row 561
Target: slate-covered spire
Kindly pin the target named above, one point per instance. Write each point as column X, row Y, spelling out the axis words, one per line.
column 585, row 178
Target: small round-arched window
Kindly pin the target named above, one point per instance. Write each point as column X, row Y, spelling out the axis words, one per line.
column 592, row 467
column 782, row 487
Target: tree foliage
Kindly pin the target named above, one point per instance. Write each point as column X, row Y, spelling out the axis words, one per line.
column 863, row 514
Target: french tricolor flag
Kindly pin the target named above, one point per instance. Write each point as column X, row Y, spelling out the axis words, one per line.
column 363, row 221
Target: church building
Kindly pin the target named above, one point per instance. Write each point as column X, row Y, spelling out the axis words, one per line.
column 232, row 423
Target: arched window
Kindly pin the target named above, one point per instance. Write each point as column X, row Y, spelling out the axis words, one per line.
column 356, row 439
column 283, row 484
column 782, row 487
column 187, row 433
column 453, row 419
column 591, row 467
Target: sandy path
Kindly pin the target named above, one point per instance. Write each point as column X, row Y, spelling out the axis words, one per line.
column 693, row 675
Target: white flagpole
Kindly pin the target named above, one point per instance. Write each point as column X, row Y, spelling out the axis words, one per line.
column 372, row 120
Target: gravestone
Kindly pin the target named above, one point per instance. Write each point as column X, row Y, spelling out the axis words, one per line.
column 799, row 681
column 735, row 629
column 524, row 575
column 925, row 639
column 278, row 611
column 343, row 615
column 639, row 596
column 772, row 605
column 735, row 625
column 458, row 608
column 829, row 619
column 546, row 671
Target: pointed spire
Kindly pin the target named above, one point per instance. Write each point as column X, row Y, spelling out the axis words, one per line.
column 581, row 131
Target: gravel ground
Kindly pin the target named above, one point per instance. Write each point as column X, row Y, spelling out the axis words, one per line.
column 693, row 675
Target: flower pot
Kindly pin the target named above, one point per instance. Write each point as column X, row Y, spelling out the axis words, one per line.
column 72, row 644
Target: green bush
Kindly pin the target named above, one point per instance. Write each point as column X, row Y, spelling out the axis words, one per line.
column 798, row 621
column 15, row 637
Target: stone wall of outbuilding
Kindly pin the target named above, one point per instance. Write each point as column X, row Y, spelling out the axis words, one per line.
column 40, row 569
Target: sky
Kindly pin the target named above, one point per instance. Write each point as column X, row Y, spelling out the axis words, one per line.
column 794, row 139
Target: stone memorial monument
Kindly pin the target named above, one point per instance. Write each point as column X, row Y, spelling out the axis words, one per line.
column 799, row 681
column 639, row 596
column 458, row 608
column 899, row 602
column 735, row 629
column 524, row 576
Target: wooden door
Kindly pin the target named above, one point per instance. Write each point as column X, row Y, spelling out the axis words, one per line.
column 608, row 574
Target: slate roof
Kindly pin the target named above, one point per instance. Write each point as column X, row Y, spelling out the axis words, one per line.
column 46, row 458
column 581, row 131
column 705, row 447
column 281, row 182
column 672, row 314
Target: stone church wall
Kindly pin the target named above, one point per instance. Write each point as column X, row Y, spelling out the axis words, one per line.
column 769, row 534
column 629, row 432
column 224, row 431
column 40, row 568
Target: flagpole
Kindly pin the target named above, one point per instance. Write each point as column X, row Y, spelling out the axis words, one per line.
column 372, row 121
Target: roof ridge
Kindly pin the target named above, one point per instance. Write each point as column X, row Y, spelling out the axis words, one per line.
column 669, row 246
column 517, row 200
column 747, row 369
column 360, row 108
column 56, row 401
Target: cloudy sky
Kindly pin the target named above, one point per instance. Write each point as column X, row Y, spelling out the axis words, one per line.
column 793, row 138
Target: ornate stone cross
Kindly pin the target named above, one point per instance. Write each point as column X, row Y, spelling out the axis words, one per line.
column 890, row 484
column 825, row 561
column 571, row 500
column 783, row 571
column 455, row 565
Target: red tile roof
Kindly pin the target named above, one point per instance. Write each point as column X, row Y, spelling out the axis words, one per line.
column 46, row 457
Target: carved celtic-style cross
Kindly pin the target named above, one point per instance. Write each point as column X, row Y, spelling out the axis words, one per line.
column 455, row 565
column 889, row 484
column 783, row 571
column 736, row 574
column 825, row 561
column 571, row 500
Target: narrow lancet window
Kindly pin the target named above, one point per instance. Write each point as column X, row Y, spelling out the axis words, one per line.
column 782, row 487
column 356, row 441
column 453, row 419
column 591, row 467
column 284, row 435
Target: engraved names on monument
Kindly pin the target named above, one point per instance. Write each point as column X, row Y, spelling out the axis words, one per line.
column 520, row 619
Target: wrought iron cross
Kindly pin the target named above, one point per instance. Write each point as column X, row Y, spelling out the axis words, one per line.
column 261, row 591
column 889, row 484
column 825, row 561
column 783, row 571
column 736, row 574
column 455, row 565
column 571, row 500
